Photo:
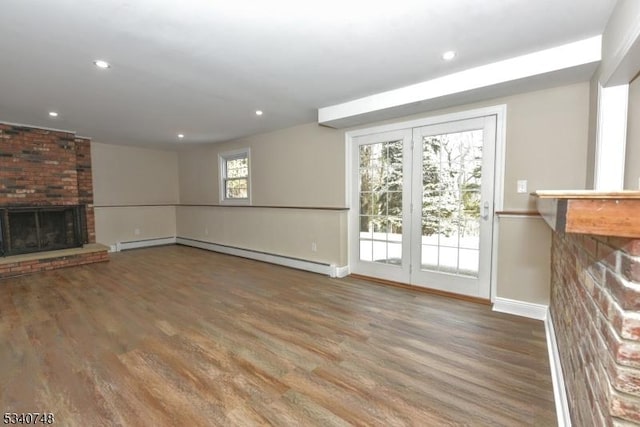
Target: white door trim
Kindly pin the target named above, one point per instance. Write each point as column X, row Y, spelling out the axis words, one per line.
column 500, row 111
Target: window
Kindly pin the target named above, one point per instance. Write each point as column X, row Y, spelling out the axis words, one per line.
column 235, row 183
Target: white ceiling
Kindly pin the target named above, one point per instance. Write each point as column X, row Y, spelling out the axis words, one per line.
column 202, row 67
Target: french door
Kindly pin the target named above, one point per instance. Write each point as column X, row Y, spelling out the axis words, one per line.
column 425, row 205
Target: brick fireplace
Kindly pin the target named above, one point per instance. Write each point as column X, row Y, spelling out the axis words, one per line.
column 46, row 200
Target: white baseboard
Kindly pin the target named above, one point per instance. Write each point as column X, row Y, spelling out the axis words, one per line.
column 342, row 271
column 520, row 308
column 559, row 390
column 123, row 246
column 300, row 264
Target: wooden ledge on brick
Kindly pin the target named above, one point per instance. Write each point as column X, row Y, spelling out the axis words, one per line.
column 591, row 212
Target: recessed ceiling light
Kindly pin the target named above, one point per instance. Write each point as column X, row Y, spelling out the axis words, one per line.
column 53, row 114
column 449, row 55
column 101, row 64
column 259, row 112
column 180, row 135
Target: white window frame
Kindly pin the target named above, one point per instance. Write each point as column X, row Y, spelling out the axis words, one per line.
column 222, row 175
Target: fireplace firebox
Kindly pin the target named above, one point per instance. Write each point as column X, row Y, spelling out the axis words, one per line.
column 37, row 229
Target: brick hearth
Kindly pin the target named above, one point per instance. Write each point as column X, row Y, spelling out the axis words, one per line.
column 45, row 261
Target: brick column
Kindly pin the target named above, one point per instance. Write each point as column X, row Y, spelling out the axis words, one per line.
column 595, row 307
column 85, row 183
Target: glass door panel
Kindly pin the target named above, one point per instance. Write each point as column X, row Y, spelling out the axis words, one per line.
column 381, row 198
column 452, row 170
column 453, row 180
column 381, row 202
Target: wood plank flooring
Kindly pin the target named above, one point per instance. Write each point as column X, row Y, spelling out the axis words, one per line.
column 178, row 336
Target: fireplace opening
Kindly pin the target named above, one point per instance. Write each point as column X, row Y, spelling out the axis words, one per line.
column 26, row 230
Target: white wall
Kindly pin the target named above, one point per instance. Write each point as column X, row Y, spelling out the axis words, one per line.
column 299, row 167
column 135, row 192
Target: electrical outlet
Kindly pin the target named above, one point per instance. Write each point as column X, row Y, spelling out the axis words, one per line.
column 314, row 247
column 136, row 231
column 522, row 186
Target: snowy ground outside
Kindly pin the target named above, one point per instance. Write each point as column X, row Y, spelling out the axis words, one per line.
column 453, row 254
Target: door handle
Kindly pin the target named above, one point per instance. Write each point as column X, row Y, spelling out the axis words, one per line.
column 485, row 211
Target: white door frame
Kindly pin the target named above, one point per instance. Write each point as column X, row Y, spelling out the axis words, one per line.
column 500, row 111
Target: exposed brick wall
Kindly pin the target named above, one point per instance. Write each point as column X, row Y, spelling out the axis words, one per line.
column 37, row 167
column 595, row 307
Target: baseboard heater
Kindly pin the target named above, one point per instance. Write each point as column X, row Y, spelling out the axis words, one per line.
column 144, row 243
column 300, row 264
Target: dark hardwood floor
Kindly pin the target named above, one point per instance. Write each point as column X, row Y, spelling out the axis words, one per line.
column 179, row 336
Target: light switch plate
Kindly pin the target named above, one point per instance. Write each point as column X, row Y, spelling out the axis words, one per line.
column 522, row 186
